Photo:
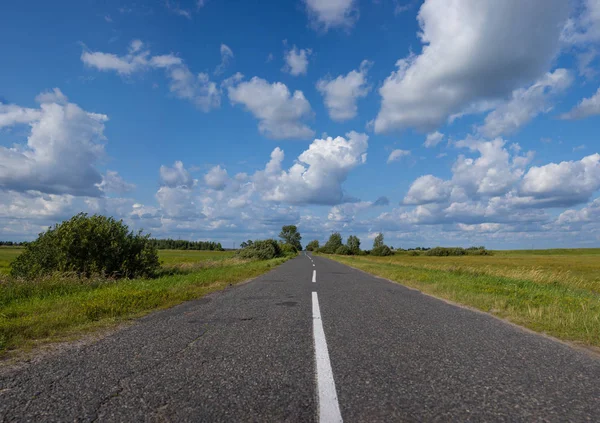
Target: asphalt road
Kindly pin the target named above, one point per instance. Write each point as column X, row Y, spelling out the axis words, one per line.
column 255, row 352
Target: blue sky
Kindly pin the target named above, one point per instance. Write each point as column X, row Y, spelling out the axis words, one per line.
column 438, row 123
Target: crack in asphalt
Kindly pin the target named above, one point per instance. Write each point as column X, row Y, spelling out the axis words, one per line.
column 119, row 383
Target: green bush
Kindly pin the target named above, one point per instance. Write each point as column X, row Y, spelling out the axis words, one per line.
column 478, row 251
column 381, row 251
column 343, row 250
column 262, row 250
column 313, row 246
column 457, row 251
column 288, row 250
column 88, row 245
column 379, row 248
column 445, row 252
column 333, row 243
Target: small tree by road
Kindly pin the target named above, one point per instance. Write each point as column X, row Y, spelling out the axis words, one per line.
column 333, row 243
column 312, row 246
column 353, row 244
column 378, row 241
column 290, row 235
column 379, row 248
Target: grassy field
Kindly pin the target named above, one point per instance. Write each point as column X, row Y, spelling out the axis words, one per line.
column 60, row 308
column 551, row 291
column 7, row 255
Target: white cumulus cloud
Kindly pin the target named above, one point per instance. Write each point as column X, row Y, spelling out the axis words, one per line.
column 196, row 88
column 318, row 174
column 493, row 173
column 587, row 107
column 525, row 104
column 216, row 178
column 462, row 62
column 428, row 189
column 113, row 182
column 564, row 183
column 397, row 155
column 176, row 176
column 341, row 94
column 590, row 213
column 59, row 131
column 280, row 112
column 326, row 14
column 296, row 61
column 584, row 26
column 433, row 139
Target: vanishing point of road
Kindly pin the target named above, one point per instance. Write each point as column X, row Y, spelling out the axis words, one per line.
column 312, row 340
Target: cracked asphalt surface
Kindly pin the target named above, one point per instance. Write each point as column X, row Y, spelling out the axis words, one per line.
column 246, row 354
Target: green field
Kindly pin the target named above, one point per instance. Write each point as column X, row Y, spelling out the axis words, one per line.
column 7, row 255
column 551, row 291
column 59, row 308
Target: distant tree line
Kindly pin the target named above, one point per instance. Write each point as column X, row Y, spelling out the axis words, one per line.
column 335, row 245
column 12, row 244
column 179, row 244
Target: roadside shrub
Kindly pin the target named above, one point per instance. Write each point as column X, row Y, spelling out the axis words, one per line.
column 331, row 246
column 414, row 253
column 381, row 251
column 313, row 246
column 262, row 250
column 88, row 245
column 379, row 248
column 288, row 250
column 343, row 250
column 446, row 252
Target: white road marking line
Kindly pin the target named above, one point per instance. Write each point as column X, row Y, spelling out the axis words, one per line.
column 329, row 409
column 314, row 279
column 313, row 265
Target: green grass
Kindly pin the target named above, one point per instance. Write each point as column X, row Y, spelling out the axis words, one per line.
column 554, row 291
column 59, row 308
column 551, row 252
column 7, row 255
column 169, row 257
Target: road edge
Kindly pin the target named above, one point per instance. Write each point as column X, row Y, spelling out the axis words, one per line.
column 592, row 351
column 18, row 359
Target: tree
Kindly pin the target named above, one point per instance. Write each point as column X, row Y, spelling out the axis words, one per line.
column 245, row 244
column 334, row 242
column 312, row 246
column 378, row 241
column 290, row 235
column 379, row 248
column 343, row 251
column 383, row 250
column 178, row 244
column 353, row 244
